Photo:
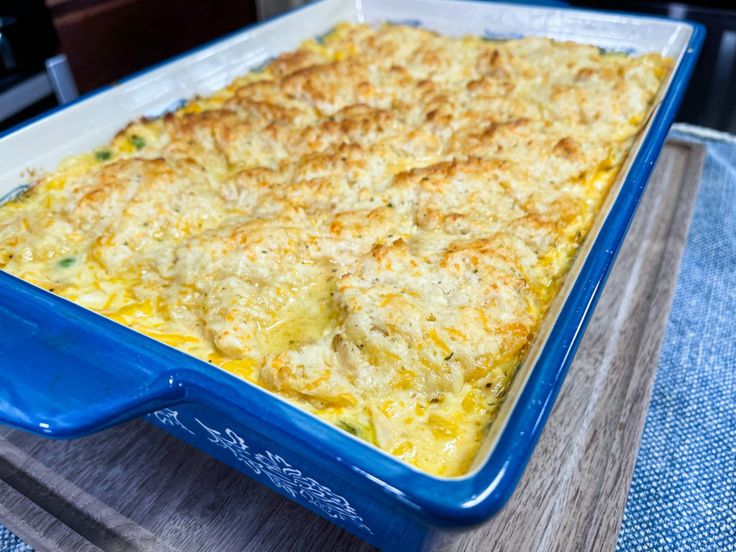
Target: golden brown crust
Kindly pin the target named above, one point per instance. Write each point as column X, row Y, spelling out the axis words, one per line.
column 372, row 226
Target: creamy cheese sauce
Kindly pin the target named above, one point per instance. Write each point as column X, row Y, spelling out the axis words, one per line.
column 373, row 226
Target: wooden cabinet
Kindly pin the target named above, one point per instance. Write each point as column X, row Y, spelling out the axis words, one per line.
column 109, row 39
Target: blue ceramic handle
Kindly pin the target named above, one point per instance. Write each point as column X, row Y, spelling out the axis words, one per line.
column 66, row 372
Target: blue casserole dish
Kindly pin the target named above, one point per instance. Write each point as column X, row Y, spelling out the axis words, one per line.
column 67, row 371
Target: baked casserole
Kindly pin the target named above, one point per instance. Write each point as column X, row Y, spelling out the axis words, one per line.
column 372, row 226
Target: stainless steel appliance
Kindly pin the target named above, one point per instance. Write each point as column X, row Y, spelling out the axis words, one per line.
column 33, row 75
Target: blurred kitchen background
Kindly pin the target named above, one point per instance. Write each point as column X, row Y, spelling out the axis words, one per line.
column 53, row 50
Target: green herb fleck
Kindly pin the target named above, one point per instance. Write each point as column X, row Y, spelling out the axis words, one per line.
column 448, row 357
column 347, row 427
column 620, row 53
column 66, row 262
column 103, row 155
column 138, row 142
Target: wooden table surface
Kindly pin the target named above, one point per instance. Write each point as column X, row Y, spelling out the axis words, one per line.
column 134, row 487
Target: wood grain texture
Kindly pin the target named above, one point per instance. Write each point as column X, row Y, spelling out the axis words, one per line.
column 39, row 528
column 137, row 488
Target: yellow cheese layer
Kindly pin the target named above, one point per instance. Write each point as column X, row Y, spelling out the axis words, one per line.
column 373, row 226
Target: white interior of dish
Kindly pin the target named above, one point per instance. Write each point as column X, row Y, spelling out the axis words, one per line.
column 86, row 125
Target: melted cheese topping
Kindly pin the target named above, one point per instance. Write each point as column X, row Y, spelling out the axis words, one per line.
column 373, row 226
